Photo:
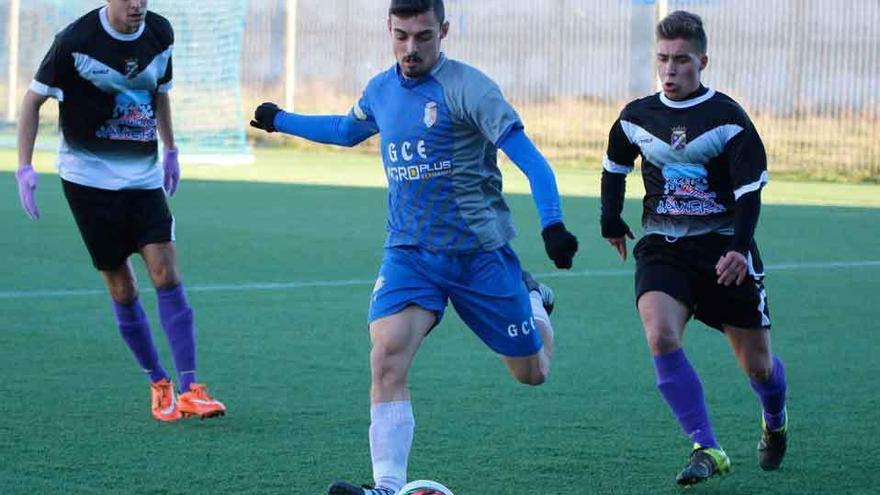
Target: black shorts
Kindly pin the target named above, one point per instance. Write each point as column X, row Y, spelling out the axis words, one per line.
column 116, row 224
column 685, row 269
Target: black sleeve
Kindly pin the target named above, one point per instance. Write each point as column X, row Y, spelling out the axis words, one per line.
column 167, row 35
column 622, row 153
column 745, row 221
column 619, row 161
column 55, row 70
column 613, row 194
column 747, row 159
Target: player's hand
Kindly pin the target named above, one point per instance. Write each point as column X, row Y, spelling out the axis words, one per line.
column 172, row 171
column 560, row 245
column 27, row 186
column 264, row 117
column 732, row 268
column 619, row 244
column 616, row 232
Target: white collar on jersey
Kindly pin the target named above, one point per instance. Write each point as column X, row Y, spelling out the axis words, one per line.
column 105, row 22
column 687, row 103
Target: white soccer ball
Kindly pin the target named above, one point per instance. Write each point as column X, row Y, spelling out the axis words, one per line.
column 424, row 487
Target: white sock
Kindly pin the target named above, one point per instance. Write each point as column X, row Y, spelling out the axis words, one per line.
column 538, row 310
column 391, row 434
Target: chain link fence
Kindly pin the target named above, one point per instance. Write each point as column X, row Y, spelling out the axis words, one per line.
column 809, row 76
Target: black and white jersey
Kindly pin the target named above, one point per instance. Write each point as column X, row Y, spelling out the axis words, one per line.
column 698, row 157
column 106, row 84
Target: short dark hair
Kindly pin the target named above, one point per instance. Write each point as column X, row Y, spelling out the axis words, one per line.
column 412, row 8
column 683, row 25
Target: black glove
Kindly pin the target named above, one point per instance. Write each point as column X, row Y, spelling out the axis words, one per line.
column 614, row 228
column 560, row 245
column 264, row 117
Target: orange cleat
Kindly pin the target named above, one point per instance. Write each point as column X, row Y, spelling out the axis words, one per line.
column 164, row 404
column 197, row 402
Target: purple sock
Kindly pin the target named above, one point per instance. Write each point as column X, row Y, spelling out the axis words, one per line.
column 771, row 393
column 177, row 320
column 135, row 330
column 680, row 386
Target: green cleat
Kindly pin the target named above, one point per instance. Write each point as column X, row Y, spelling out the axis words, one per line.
column 703, row 464
column 771, row 448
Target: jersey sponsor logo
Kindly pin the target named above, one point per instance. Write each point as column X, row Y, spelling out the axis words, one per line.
column 421, row 171
column 408, row 152
column 133, row 119
column 686, row 192
column 679, row 138
column 430, row 114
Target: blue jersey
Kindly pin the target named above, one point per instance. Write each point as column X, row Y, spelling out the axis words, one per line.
column 439, row 137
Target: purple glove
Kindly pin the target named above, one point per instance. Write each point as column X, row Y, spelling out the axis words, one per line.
column 172, row 171
column 27, row 184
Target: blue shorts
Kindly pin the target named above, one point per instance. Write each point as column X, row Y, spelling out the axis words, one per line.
column 486, row 290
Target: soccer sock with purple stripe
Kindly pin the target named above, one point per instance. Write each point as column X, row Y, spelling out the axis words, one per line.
column 135, row 330
column 179, row 325
column 771, row 393
column 680, row 386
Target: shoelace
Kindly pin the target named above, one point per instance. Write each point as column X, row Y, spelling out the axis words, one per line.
column 162, row 398
column 200, row 391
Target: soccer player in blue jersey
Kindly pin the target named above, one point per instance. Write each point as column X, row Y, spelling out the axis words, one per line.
column 110, row 71
column 703, row 165
column 441, row 123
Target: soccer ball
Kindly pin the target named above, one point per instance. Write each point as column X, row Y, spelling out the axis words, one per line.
column 424, row 487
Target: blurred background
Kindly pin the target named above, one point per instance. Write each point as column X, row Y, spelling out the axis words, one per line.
column 808, row 75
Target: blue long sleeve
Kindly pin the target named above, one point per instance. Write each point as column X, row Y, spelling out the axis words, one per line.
column 520, row 149
column 342, row 130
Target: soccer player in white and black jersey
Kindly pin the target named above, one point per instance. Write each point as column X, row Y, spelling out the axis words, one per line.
column 110, row 71
column 703, row 165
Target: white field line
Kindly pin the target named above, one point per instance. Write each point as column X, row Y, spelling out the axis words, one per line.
column 274, row 286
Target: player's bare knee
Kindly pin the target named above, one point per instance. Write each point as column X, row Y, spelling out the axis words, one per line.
column 661, row 339
column 123, row 293
column 164, row 276
column 534, row 374
column 388, row 369
column 758, row 373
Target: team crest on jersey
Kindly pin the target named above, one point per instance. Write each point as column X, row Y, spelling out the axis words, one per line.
column 131, row 67
column 679, row 138
column 430, row 114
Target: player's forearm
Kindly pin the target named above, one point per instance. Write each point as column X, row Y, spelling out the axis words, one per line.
column 163, row 120
column 745, row 221
column 28, row 123
column 341, row 130
column 613, row 195
column 520, row 149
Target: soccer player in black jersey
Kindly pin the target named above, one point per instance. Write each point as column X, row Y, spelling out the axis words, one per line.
column 703, row 166
column 110, row 71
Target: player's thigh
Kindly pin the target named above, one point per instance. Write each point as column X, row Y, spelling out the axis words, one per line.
column 100, row 216
column 664, row 292
column 397, row 337
column 494, row 303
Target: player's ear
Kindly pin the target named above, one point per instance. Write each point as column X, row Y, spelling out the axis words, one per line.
column 389, row 23
column 704, row 62
column 444, row 29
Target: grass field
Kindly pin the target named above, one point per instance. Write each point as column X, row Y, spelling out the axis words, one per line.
column 279, row 259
